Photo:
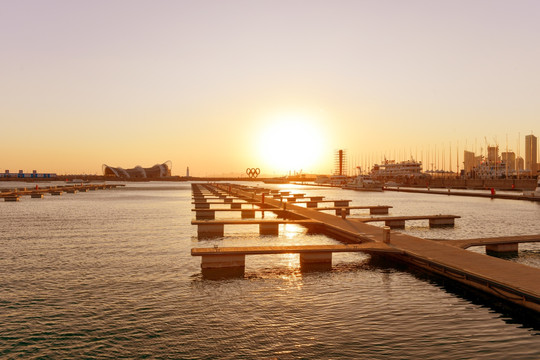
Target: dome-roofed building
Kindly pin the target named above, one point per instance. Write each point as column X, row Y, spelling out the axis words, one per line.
column 155, row 172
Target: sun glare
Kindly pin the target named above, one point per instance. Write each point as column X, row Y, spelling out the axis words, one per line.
column 290, row 143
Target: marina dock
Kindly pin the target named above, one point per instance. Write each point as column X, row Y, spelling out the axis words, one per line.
column 510, row 281
column 38, row 193
column 454, row 192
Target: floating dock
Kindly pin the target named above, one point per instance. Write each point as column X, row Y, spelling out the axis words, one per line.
column 38, row 193
column 513, row 282
column 465, row 193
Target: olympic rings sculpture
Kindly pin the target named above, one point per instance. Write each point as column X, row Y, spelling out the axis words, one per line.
column 253, row 172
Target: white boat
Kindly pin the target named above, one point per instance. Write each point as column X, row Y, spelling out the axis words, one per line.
column 322, row 180
column 332, row 180
column 364, row 183
column 338, row 180
column 76, row 181
column 397, row 170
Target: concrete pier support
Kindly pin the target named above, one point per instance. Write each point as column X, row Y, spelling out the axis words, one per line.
column 236, row 205
column 312, row 204
column 202, row 205
column 210, row 230
column 339, row 212
column 12, row 198
column 441, row 222
column 269, row 229
column 220, row 261
column 395, row 224
column 57, row 193
column 228, row 200
column 223, row 266
column 316, row 261
column 378, row 211
column 502, row 249
column 36, row 196
column 248, row 214
column 205, row 215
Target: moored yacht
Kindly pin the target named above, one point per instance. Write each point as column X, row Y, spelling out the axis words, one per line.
column 364, row 183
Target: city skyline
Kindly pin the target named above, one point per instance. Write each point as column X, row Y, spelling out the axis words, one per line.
column 222, row 86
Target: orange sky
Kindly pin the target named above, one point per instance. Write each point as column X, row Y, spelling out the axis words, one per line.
column 280, row 85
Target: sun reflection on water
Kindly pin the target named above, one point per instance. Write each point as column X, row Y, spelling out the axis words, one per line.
column 290, row 231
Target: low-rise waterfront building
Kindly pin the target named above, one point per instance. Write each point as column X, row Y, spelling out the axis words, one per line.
column 22, row 175
column 155, row 172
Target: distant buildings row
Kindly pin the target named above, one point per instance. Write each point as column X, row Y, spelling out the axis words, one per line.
column 505, row 165
column 22, row 175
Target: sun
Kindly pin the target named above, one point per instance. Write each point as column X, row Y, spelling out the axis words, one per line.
column 290, row 143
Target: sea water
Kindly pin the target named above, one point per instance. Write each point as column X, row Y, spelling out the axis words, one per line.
column 109, row 274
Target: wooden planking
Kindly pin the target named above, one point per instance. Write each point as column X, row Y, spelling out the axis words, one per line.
column 509, row 273
column 261, row 250
column 489, row 273
column 466, row 243
column 352, row 207
column 253, row 222
column 412, row 217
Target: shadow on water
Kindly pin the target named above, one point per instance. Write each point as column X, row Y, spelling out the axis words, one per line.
column 508, row 311
column 239, row 272
column 223, row 273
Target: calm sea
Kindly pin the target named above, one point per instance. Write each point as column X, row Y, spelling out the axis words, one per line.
column 109, row 274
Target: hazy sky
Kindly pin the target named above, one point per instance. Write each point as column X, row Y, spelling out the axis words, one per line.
column 223, row 85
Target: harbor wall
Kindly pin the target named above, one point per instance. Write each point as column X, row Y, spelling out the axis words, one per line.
column 499, row 184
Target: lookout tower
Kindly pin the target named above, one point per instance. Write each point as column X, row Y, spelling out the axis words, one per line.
column 340, row 163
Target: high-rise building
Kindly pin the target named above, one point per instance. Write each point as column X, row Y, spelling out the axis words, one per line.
column 493, row 154
column 509, row 159
column 531, row 154
column 520, row 163
column 468, row 161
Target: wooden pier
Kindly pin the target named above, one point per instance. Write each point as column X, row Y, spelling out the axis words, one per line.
column 215, row 228
column 398, row 222
column 38, row 193
column 505, row 244
column 513, row 282
column 454, row 192
column 217, row 258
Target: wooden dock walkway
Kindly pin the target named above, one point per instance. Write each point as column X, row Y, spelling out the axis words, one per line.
column 216, row 228
column 398, row 222
column 467, row 243
column 37, row 193
column 293, row 249
column 513, row 282
column 449, row 192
